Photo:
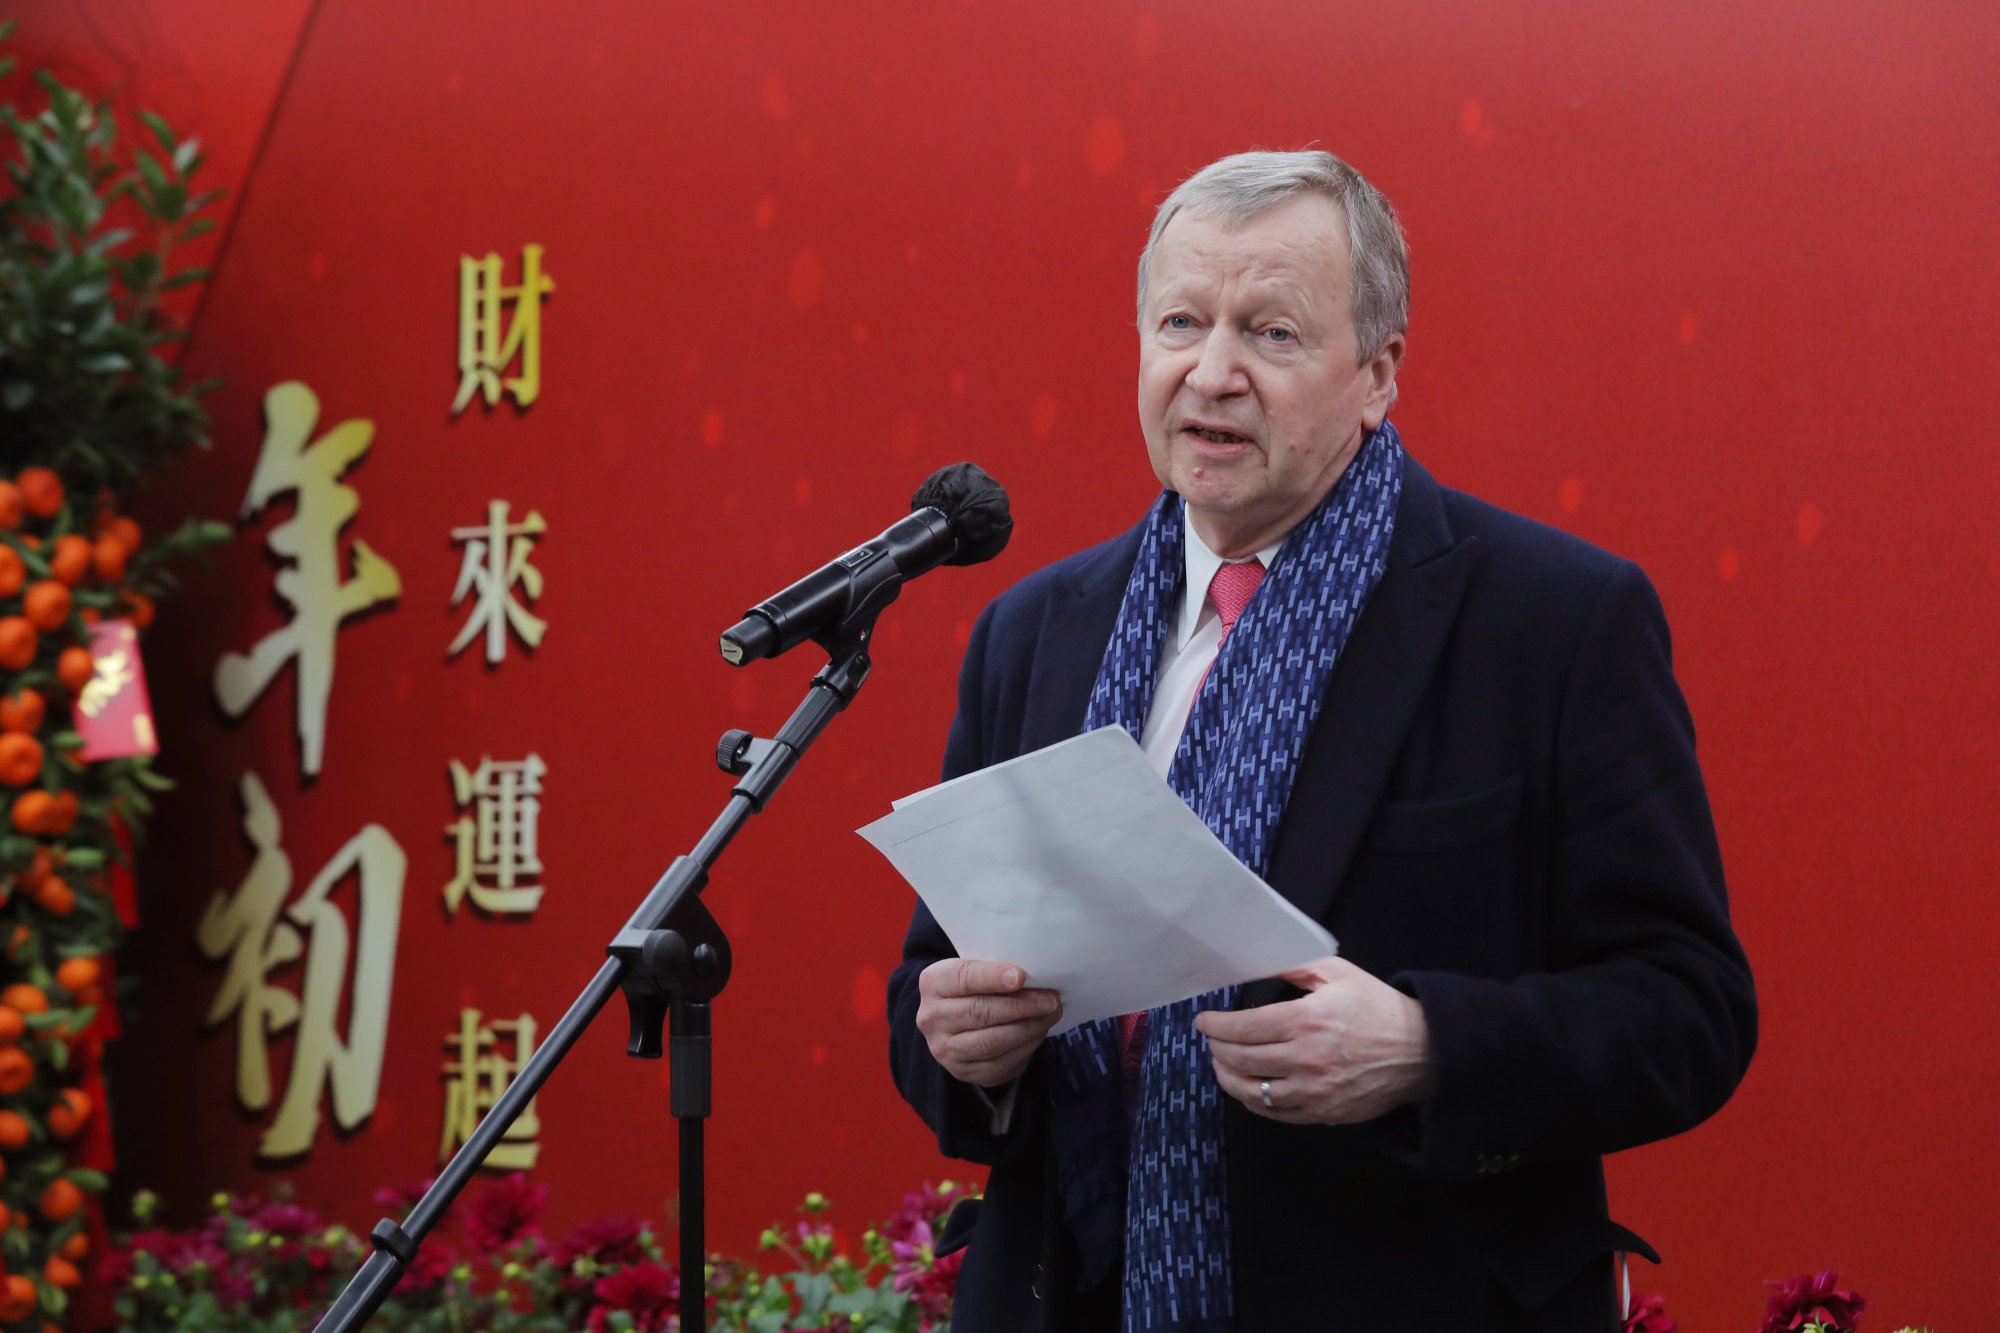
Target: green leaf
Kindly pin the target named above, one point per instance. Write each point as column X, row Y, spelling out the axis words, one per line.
column 183, row 278
column 94, row 1181
column 17, row 394
column 105, row 363
column 160, row 130
column 199, row 227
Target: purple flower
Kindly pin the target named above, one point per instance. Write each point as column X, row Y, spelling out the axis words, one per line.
column 1649, row 1315
column 505, row 1214
column 1811, row 1298
column 649, row 1292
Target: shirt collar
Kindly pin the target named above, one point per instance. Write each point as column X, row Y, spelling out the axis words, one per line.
column 1201, row 566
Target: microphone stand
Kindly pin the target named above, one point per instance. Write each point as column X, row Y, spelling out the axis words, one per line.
column 671, row 960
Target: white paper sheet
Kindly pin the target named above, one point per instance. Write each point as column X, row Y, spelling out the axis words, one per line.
column 1081, row 866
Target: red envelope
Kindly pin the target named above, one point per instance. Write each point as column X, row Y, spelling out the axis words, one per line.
column 113, row 714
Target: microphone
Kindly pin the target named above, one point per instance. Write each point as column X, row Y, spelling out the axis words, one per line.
column 958, row 517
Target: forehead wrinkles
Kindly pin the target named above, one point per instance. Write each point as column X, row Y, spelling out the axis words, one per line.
column 1208, row 261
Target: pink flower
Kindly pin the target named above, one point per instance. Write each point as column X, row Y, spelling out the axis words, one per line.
column 1649, row 1315
column 505, row 1214
column 1811, row 1298
column 914, row 1267
column 649, row 1292
column 288, row 1220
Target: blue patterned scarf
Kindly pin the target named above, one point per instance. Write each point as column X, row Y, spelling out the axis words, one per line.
column 1150, row 1178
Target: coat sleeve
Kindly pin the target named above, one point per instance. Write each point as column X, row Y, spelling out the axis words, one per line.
column 1644, row 1019
column 963, row 1117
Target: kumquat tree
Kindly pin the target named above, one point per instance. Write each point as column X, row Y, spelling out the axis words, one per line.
column 90, row 400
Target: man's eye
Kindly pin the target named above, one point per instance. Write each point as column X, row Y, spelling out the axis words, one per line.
column 1179, row 322
column 1279, row 335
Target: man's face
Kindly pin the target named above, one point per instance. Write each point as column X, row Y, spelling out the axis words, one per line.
column 1249, row 394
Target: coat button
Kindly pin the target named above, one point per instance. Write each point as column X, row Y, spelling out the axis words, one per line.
column 1035, row 1287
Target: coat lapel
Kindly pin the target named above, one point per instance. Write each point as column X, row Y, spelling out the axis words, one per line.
column 1076, row 628
column 1377, row 686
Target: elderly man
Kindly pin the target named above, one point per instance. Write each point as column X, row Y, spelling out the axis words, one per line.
column 1450, row 734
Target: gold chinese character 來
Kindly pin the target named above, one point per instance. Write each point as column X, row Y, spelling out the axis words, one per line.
column 496, row 558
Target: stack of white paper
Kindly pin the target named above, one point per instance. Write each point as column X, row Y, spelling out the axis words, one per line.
column 1078, row 864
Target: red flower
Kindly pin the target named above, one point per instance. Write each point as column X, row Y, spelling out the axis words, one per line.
column 428, row 1271
column 608, row 1240
column 400, row 1199
column 649, row 1292
column 505, row 1214
column 1811, row 1298
column 1649, row 1315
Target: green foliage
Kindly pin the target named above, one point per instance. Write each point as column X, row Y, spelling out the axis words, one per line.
column 87, row 241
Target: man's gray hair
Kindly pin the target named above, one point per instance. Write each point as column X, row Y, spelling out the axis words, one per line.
column 1235, row 189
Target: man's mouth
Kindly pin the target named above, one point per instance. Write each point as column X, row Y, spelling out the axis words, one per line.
column 1217, row 436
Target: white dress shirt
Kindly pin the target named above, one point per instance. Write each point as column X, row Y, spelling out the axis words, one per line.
column 1191, row 648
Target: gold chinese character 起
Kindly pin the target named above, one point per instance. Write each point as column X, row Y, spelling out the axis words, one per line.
column 477, row 1071
column 485, row 350
column 313, row 586
column 498, row 846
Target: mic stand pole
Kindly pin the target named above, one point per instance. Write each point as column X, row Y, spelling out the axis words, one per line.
column 671, row 959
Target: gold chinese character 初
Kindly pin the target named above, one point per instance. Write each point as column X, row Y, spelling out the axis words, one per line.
column 499, row 844
column 257, row 934
column 476, row 1072
column 485, row 351
column 313, row 585
column 496, row 558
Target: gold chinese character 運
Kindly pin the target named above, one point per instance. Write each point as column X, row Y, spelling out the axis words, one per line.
column 499, row 845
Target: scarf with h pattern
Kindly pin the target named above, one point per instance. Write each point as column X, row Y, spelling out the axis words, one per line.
column 1150, row 1178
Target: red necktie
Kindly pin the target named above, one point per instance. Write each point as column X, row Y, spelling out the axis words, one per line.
column 1230, row 591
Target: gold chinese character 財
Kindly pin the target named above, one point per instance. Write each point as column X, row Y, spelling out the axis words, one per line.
column 485, row 350
column 477, row 1071
column 257, row 934
column 496, row 558
column 313, row 586
column 498, row 845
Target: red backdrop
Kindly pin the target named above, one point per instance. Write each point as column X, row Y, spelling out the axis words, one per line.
column 1709, row 286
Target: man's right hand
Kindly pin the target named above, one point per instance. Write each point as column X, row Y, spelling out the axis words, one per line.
column 981, row 1024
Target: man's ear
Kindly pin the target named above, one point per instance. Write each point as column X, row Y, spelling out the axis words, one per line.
column 1381, row 370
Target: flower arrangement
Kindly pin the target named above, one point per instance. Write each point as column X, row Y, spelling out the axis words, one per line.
column 273, row 1265
column 90, row 400
column 1808, row 1303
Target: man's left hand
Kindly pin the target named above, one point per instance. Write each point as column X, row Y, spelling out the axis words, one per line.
column 1351, row 1049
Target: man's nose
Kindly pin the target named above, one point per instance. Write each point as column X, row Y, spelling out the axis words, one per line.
column 1218, row 370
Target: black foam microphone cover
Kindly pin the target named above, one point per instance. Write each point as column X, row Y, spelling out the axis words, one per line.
column 974, row 504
